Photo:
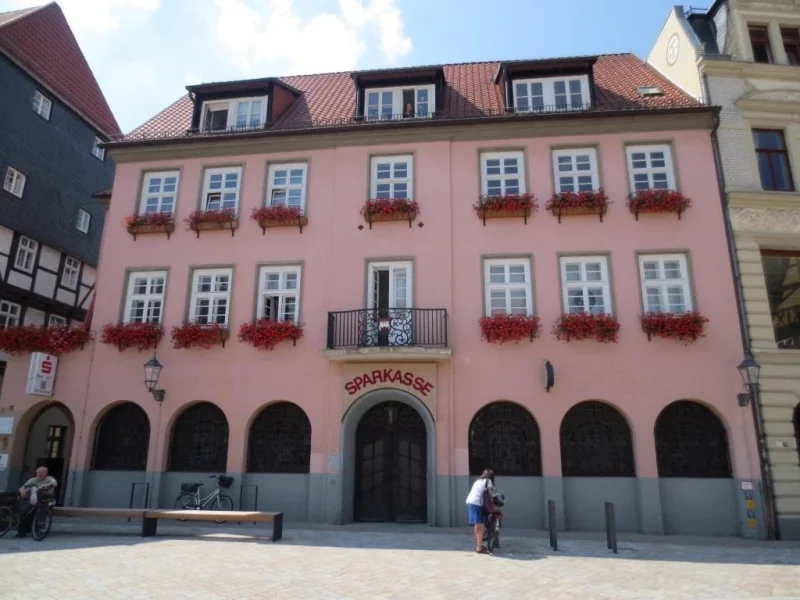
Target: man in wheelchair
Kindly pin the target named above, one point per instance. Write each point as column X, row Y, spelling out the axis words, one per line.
column 35, row 489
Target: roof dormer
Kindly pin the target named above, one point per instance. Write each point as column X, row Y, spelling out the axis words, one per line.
column 551, row 85
column 239, row 105
column 397, row 94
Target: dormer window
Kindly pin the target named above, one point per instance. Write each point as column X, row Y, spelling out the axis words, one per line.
column 239, row 113
column 551, row 93
column 399, row 102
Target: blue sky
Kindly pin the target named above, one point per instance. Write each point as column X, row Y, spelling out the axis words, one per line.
column 144, row 52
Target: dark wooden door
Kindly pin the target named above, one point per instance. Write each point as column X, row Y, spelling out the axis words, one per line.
column 391, row 469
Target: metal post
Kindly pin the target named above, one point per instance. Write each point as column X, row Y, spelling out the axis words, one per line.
column 551, row 521
column 255, row 497
column 611, row 528
column 133, row 492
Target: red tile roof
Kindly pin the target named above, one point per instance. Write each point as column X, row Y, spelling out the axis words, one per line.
column 470, row 91
column 40, row 41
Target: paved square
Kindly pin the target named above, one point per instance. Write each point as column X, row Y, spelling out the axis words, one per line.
column 110, row 562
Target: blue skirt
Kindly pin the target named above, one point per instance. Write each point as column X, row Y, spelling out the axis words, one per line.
column 475, row 514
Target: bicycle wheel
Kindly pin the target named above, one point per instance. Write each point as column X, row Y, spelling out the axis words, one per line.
column 42, row 520
column 222, row 502
column 185, row 502
column 6, row 520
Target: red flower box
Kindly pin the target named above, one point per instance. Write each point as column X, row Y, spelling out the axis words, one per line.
column 510, row 205
column 52, row 340
column 265, row 334
column 203, row 220
column 161, row 222
column 390, row 209
column 686, row 327
column 586, row 326
column 657, row 201
column 588, row 202
column 196, row 335
column 279, row 216
column 142, row 336
column 502, row 328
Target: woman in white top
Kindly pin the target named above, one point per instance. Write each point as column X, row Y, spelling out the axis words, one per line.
column 475, row 507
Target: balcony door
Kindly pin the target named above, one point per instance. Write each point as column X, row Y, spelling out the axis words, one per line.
column 389, row 300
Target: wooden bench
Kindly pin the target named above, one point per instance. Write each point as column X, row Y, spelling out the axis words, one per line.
column 150, row 518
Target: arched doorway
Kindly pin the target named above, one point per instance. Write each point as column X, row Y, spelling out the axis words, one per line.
column 49, row 444
column 391, row 465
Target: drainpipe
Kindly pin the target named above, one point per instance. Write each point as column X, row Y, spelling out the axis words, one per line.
column 755, row 401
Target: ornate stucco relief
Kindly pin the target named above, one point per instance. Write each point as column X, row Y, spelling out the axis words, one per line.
column 766, row 220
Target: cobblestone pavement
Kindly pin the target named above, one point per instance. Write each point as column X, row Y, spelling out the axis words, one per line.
column 110, row 562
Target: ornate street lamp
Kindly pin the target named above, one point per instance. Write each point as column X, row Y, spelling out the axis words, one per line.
column 152, row 371
column 750, row 371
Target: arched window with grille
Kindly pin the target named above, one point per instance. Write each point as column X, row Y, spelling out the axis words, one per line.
column 199, row 440
column 280, row 440
column 691, row 442
column 122, row 439
column 504, row 437
column 596, row 442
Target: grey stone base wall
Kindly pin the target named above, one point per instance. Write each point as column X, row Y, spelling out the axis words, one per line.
column 789, row 528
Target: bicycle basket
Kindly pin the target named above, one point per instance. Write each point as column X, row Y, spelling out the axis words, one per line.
column 225, row 481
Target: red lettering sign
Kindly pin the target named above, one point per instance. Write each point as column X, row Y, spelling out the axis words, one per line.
column 359, row 382
column 47, row 367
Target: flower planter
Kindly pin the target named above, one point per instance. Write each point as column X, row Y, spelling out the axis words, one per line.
column 195, row 335
column 658, row 201
column 588, row 202
column 213, row 226
column 502, row 328
column 279, row 216
column 504, row 207
column 409, row 216
column 150, row 223
column 265, row 334
column 506, row 213
column 142, row 336
column 22, row 339
column 265, row 224
column 585, row 326
column 381, row 210
column 210, row 220
column 687, row 327
column 567, row 211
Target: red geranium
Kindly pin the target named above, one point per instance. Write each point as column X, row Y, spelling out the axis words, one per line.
column 159, row 218
column 276, row 213
column 585, row 199
column 658, row 201
column 52, row 340
column 197, row 335
column 509, row 202
column 142, row 336
column 502, row 328
column 388, row 206
column 265, row 334
column 198, row 217
column 586, row 326
column 686, row 327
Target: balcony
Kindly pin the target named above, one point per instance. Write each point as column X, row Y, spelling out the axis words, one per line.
column 395, row 334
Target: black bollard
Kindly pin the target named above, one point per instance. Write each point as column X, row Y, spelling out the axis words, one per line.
column 551, row 521
column 611, row 528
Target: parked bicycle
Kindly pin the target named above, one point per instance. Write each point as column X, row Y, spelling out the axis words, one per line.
column 13, row 514
column 190, row 499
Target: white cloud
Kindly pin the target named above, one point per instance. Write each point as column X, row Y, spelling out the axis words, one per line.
column 94, row 16
column 269, row 37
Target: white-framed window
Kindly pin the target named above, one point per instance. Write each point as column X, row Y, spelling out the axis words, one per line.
column 9, row 314
column 575, row 170
column 72, row 267
column 145, row 299
column 97, row 151
column 82, row 220
column 14, row 182
column 508, row 286
column 159, row 192
column 399, row 102
column 221, row 188
column 56, row 321
column 279, row 293
column 238, row 113
column 286, row 185
column 211, row 296
column 665, row 283
column 585, row 284
column 650, row 167
column 551, row 93
column 41, row 105
column 391, row 177
column 502, row 173
column 26, row 254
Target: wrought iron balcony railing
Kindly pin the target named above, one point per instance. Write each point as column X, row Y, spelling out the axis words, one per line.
column 392, row 327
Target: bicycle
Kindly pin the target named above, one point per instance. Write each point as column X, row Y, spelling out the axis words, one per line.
column 189, row 498
column 12, row 515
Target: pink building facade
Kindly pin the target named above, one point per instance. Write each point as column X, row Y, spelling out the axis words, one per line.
column 393, row 400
